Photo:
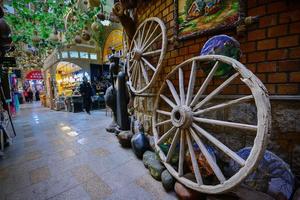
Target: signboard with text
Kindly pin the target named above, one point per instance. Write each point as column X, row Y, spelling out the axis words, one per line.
column 34, row 75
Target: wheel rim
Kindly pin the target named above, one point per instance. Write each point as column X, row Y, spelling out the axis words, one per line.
column 146, row 53
column 182, row 113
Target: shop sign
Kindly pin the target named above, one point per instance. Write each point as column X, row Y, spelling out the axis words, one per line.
column 34, row 75
column 8, row 61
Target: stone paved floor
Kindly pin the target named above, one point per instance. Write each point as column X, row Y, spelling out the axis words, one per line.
column 59, row 155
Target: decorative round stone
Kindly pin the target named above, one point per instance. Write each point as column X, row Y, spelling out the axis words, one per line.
column 167, row 180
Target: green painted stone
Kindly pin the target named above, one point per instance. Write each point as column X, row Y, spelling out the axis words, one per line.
column 156, row 168
column 167, row 180
column 148, row 156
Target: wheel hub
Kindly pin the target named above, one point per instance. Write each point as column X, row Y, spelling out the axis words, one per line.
column 181, row 116
column 137, row 55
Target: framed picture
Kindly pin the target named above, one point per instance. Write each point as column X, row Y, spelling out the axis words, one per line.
column 204, row 17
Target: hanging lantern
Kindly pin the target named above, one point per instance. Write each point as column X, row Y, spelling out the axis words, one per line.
column 86, row 35
column 78, row 39
column 101, row 15
column 95, row 26
column 35, row 38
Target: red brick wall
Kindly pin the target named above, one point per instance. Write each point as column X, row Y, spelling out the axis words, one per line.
column 271, row 47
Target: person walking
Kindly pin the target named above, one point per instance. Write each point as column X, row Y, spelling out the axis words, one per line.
column 86, row 92
column 30, row 95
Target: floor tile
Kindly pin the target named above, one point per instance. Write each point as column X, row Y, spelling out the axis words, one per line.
column 101, row 152
column 67, row 153
column 40, row 174
column 71, row 156
column 83, row 173
column 97, row 188
column 76, row 193
column 33, row 155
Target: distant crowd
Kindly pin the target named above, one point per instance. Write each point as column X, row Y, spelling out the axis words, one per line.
column 29, row 94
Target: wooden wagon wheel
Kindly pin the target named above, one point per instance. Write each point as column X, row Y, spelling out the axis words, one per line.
column 179, row 118
column 146, row 53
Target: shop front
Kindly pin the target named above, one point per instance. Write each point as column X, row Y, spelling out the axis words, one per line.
column 64, row 71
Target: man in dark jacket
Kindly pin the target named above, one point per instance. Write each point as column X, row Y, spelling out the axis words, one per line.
column 86, row 93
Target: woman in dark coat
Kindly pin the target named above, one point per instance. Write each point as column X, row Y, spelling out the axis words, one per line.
column 86, row 92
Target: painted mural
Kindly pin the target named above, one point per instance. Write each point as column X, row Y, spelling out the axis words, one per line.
column 197, row 17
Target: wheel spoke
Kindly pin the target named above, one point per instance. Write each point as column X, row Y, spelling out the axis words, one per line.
column 220, row 145
column 145, row 75
column 148, row 39
column 133, row 65
column 167, row 100
column 191, row 84
column 149, row 28
column 133, row 76
column 208, row 157
column 149, row 64
column 216, row 91
column 225, row 105
column 194, row 160
column 163, row 122
column 143, row 31
column 163, row 112
column 165, row 136
column 227, row 124
column 158, row 36
column 139, row 39
column 139, row 76
column 173, row 145
column 152, row 52
column 174, row 92
column 135, row 44
column 181, row 87
column 181, row 153
column 205, row 84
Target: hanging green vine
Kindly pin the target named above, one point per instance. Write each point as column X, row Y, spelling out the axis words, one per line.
column 45, row 16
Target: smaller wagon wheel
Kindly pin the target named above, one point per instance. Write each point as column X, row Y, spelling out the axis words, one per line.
column 183, row 120
column 146, row 53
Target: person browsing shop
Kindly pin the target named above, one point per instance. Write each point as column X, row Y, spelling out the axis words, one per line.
column 86, row 93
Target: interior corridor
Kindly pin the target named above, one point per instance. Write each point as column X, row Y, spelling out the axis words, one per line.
column 60, row 155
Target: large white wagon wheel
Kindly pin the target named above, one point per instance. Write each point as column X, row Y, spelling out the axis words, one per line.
column 146, row 53
column 179, row 117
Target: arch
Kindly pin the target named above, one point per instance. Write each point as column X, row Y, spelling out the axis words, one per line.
column 115, row 40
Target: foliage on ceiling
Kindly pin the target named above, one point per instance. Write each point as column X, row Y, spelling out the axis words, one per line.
column 34, row 22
